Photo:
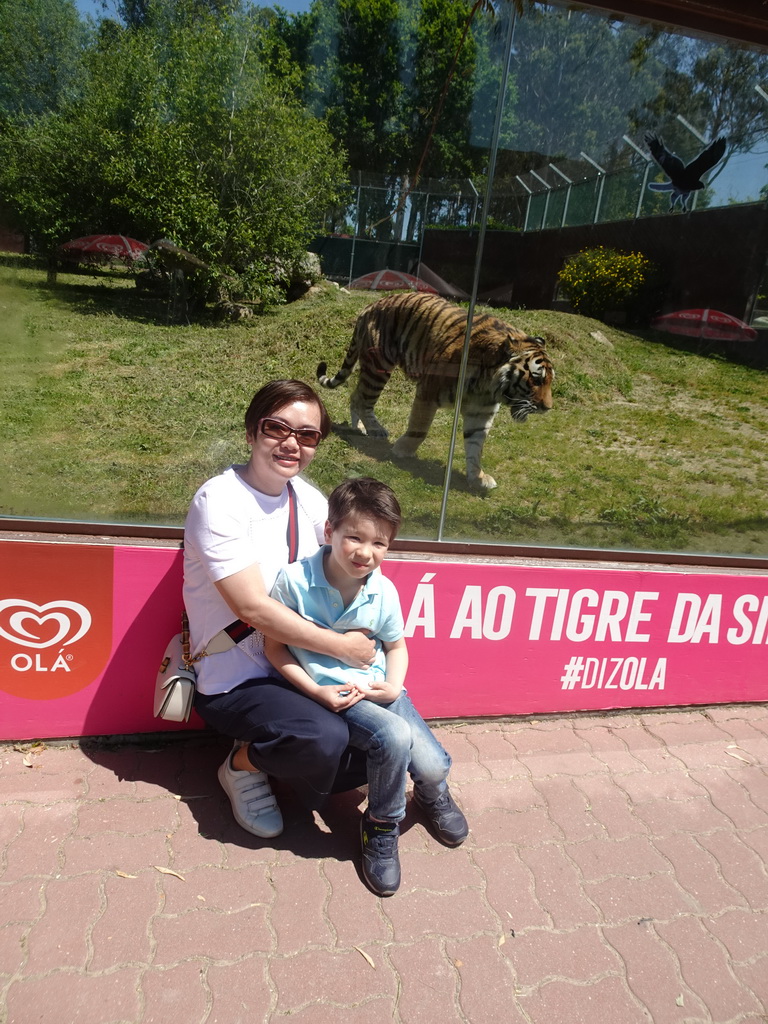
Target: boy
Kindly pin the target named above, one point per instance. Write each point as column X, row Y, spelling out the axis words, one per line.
column 342, row 587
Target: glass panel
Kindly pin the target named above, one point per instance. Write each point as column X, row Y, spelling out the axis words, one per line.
column 645, row 446
column 126, row 382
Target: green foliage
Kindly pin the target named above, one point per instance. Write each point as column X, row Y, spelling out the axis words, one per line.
column 179, row 132
column 41, row 47
column 601, row 279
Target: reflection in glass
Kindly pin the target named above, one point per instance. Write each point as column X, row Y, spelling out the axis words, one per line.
column 119, row 398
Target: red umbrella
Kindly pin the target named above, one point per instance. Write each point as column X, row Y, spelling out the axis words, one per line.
column 391, row 280
column 102, row 248
column 705, row 323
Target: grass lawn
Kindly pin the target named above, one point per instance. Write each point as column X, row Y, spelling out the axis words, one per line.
column 112, row 414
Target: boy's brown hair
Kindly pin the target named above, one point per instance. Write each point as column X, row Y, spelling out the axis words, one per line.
column 364, row 496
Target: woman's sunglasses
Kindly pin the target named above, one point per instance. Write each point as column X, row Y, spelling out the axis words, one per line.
column 307, row 437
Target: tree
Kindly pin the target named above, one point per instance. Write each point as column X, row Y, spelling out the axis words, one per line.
column 180, row 133
column 41, row 47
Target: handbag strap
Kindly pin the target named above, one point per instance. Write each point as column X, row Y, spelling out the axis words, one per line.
column 239, row 630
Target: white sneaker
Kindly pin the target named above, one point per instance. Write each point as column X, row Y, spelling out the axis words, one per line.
column 253, row 804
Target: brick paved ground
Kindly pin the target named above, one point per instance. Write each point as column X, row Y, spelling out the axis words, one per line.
column 615, row 874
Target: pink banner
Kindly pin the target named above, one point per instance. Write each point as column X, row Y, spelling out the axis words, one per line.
column 83, row 628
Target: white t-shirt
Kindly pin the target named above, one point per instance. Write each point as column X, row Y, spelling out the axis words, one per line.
column 230, row 526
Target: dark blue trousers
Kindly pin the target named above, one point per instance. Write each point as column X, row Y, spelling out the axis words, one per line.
column 290, row 737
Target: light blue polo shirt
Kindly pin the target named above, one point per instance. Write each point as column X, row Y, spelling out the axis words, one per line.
column 303, row 587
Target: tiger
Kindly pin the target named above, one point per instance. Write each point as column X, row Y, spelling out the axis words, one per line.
column 424, row 335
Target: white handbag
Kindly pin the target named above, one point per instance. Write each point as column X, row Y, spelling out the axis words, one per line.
column 175, row 685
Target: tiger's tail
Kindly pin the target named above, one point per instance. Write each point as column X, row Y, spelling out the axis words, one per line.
column 344, row 371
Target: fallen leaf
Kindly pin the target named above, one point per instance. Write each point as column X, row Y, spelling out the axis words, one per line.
column 738, row 757
column 458, row 963
column 502, row 939
column 124, row 874
column 26, row 762
column 168, row 871
column 365, row 956
column 201, row 897
column 680, row 1001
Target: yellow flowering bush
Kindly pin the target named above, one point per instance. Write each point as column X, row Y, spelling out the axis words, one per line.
column 600, row 279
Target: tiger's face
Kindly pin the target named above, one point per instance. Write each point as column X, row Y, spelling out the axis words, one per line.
column 526, row 385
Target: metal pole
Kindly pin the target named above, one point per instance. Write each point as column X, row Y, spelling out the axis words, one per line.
column 354, row 237
column 602, row 173
column 527, row 202
column 476, row 280
column 567, row 193
column 548, row 187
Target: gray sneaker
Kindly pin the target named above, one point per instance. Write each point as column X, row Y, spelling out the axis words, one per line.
column 253, row 804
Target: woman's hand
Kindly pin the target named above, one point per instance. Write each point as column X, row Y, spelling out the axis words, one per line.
column 338, row 697
column 356, row 648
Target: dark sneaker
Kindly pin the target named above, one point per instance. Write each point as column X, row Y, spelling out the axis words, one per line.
column 445, row 818
column 381, row 864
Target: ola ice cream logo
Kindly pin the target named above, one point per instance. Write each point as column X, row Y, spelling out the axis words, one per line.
column 52, row 645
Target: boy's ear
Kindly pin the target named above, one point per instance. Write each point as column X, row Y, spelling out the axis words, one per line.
column 327, row 532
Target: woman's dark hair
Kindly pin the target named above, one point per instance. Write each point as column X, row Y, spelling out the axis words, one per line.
column 275, row 395
column 366, row 497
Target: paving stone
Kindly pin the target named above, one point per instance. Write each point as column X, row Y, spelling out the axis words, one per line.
column 611, row 807
column 211, row 935
column 429, row 982
column 595, row 828
column 705, row 969
column 298, row 911
column 176, row 994
column 13, row 951
column 61, row 937
column 109, row 998
column 416, row 913
column 373, row 1011
column 127, row 817
column 606, row 1001
column 666, row 817
column 539, row 955
column 509, row 888
column 243, row 994
column 22, row 901
column 121, row 935
column 744, row 934
column 741, row 867
column 653, row 974
column 353, row 911
column 754, row 977
column 568, row 763
column 442, row 870
column 698, row 873
column 340, row 976
column 608, row 746
column 494, row 827
column 729, row 796
column 39, row 787
column 487, row 989
column 217, row 890
column 35, row 850
column 657, row 897
column 627, row 858
column 559, row 888
column 568, row 808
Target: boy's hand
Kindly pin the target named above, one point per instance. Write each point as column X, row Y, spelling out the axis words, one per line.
column 338, row 697
column 383, row 692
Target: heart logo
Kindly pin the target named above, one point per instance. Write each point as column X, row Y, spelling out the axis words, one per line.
column 43, row 625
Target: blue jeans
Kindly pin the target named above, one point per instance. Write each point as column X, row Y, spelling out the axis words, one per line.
column 397, row 741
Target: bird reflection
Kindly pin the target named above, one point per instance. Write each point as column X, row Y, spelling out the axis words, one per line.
column 683, row 178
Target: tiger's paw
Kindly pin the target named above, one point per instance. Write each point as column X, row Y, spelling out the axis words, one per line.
column 484, row 482
column 404, row 447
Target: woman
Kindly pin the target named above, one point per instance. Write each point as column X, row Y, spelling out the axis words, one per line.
column 236, row 539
